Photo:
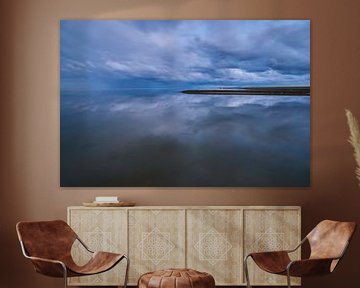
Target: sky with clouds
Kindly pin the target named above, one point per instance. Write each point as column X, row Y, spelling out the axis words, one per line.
column 115, row 54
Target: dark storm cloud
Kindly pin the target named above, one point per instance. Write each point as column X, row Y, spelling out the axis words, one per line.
column 213, row 52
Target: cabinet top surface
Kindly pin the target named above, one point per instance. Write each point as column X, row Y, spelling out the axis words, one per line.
column 192, row 207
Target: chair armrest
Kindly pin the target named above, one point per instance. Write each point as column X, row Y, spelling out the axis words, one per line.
column 298, row 246
column 309, row 267
column 271, row 261
column 45, row 260
column 83, row 244
column 280, row 251
column 269, row 253
column 48, row 267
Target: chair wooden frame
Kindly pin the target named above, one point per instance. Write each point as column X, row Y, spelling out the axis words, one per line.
column 56, row 265
column 315, row 265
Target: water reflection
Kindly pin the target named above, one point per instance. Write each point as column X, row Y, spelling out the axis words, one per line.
column 161, row 138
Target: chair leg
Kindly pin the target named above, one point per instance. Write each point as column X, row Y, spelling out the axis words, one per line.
column 65, row 276
column 246, row 270
column 288, row 278
column 127, row 271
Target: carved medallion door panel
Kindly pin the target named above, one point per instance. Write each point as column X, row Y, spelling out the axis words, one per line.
column 101, row 230
column 271, row 230
column 156, row 240
column 214, row 241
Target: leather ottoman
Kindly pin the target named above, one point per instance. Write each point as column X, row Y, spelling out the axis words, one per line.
column 176, row 278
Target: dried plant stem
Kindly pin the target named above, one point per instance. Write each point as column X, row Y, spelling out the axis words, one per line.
column 354, row 140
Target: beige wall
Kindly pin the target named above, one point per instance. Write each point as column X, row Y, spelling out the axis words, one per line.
column 29, row 118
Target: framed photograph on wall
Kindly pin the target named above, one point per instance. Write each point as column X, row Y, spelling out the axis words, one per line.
column 185, row 103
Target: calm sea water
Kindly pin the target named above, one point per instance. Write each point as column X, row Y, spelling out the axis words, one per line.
column 163, row 138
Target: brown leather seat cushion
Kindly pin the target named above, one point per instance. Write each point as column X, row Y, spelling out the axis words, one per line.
column 176, row 278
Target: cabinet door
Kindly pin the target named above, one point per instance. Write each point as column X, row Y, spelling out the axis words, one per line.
column 156, row 240
column 101, row 230
column 271, row 230
column 214, row 244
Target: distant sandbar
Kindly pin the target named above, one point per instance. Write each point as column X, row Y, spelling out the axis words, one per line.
column 275, row 91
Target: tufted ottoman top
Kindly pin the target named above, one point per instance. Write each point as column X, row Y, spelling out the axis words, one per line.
column 176, row 278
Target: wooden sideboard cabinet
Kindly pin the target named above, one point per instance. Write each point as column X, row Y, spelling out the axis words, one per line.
column 211, row 239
